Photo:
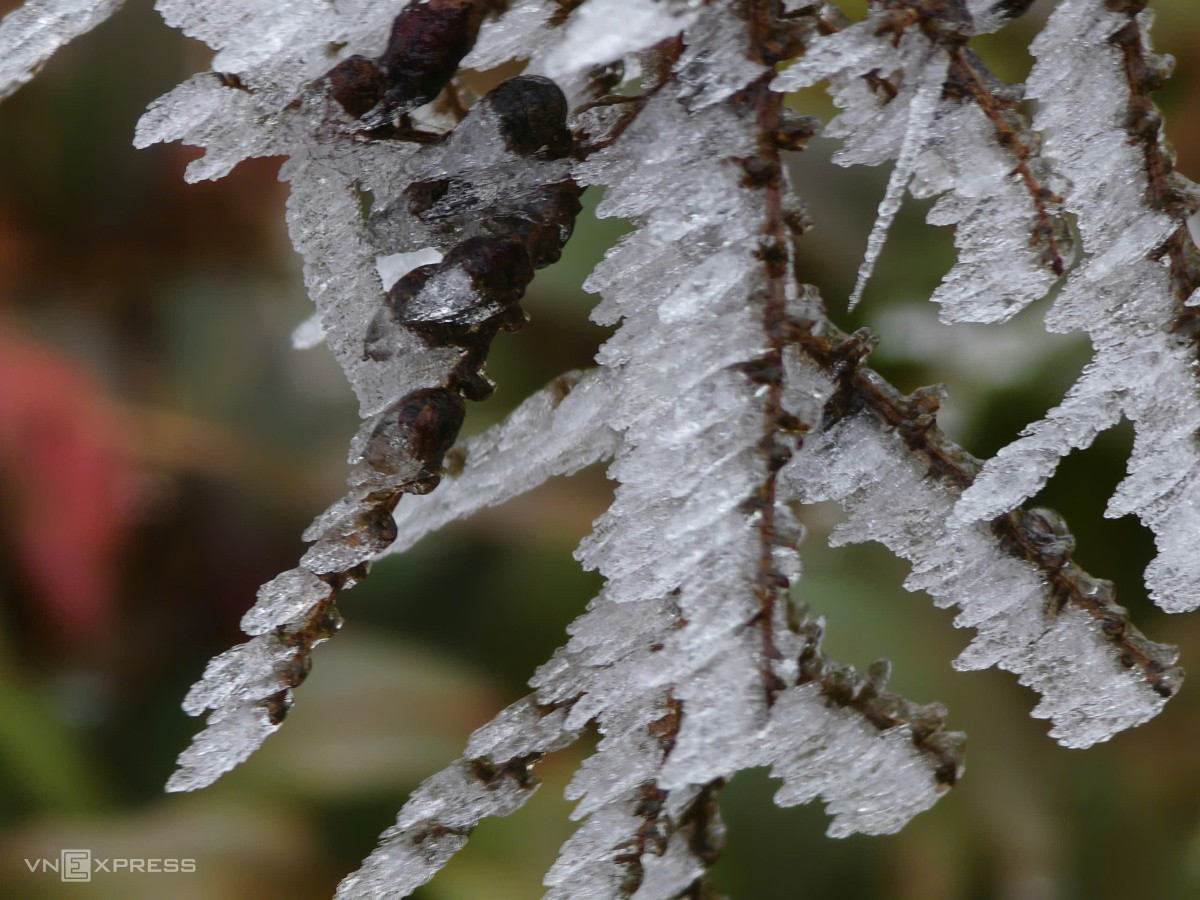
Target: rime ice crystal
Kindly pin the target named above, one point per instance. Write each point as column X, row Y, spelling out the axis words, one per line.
column 36, row 30
column 284, row 599
column 1086, row 693
column 921, row 110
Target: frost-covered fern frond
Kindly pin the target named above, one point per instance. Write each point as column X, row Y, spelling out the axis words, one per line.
column 724, row 399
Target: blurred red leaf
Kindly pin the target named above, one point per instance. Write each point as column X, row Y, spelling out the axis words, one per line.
column 67, row 482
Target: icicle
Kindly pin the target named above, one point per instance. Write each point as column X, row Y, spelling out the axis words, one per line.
column 921, row 114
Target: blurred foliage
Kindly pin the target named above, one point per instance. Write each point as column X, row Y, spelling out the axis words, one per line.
column 162, row 447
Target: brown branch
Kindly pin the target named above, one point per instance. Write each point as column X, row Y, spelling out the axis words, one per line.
column 764, row 171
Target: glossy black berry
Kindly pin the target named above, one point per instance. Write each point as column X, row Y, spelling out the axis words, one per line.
column 533, row 116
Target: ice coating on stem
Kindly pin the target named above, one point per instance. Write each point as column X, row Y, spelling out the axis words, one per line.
column 412, row 347
column 1010, row 250
column 1018, row 471
column 263, row 95
column 491, row 779
column 605, row 30
column 37, row 29
column 670, row 656
column 558, row 431
column 248, row 689
column 284, row 599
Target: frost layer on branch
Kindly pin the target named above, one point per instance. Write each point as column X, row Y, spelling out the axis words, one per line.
column 1091, row 80
column 488, row 198
column 688, row 661
column 420, row 222
column 892, row 496
column 36, row 30
column 492, row 778
column 955, row 132
column 257, row 100
column 249, row 688
column 413, row 354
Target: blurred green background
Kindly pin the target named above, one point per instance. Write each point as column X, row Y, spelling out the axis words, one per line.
column 162, row 447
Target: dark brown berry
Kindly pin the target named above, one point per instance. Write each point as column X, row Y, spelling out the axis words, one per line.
column 533, row 116
column 473, row 384
column 426, row 44
column 553, row 213
column 378, row 341
column 499, row 267
column 357, row 84
column 455, row 314
column 428, row 421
